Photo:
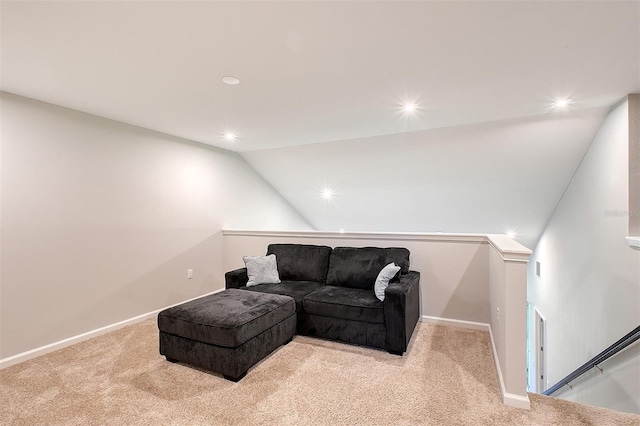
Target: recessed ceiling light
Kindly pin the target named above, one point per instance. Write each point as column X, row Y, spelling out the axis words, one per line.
column 230, row 136
column 511, row 233
column 409, row 107
column 562, row 103
column 230, row 80
column 327, row 193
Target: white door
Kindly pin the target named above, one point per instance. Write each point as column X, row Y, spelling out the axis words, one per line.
column 530, row 365
column 541, row 364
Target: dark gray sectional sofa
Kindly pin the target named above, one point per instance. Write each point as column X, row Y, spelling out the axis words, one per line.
column 334, row 296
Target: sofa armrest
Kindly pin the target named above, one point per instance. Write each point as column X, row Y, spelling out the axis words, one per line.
column 401, row 311
column 236, row 278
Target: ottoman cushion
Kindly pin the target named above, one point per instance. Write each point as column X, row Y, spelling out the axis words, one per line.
column 227, row 319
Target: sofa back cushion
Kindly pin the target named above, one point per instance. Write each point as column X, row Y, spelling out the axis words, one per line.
column 300, row 262
column 358, row 267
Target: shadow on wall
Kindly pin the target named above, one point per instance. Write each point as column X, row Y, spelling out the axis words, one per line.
column 465, row 299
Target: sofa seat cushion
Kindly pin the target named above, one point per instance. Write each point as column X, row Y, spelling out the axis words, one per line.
column 301, row 262
column 296, row 289
column 227, row 319
column 345, row 303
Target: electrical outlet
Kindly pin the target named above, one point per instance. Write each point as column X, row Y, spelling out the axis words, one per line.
column 189, row 274
column 497, row 314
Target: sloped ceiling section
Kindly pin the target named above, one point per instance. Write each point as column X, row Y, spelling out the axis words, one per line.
column 338, row 72
column 317, row 71
column 487, row 178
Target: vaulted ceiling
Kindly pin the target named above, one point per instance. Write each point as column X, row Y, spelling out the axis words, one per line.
column 497, row 177
column 334, row 76
column 317, row 71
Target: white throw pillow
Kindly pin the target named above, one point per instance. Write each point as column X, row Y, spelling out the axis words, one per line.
column 261, row 269
column 382, row 282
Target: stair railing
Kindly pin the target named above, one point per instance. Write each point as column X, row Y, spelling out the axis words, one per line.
column 621, row 344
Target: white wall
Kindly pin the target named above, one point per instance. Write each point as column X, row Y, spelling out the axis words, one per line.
column 483, row 178
column 589, row 289
column 100, row 220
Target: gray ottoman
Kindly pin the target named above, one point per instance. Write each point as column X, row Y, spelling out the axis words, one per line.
column 227, row 332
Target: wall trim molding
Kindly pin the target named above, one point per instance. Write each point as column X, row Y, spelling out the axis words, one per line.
column 634, row 242
column 509, row 250
column 516, row 401
column 633, row 102
column 403, row 236
column 449, row 322
column 496, row 362
column 51, row 347
column 510, row 399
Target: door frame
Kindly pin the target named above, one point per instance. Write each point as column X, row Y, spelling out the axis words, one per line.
column 540, row 331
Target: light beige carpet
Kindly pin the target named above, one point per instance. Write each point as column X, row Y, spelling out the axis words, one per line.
column 446, row 378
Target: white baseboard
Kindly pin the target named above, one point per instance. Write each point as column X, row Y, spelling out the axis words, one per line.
column 510, row 399
column 24, row 356
column 456, row 323
column 517, row 401
column 496, row 361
